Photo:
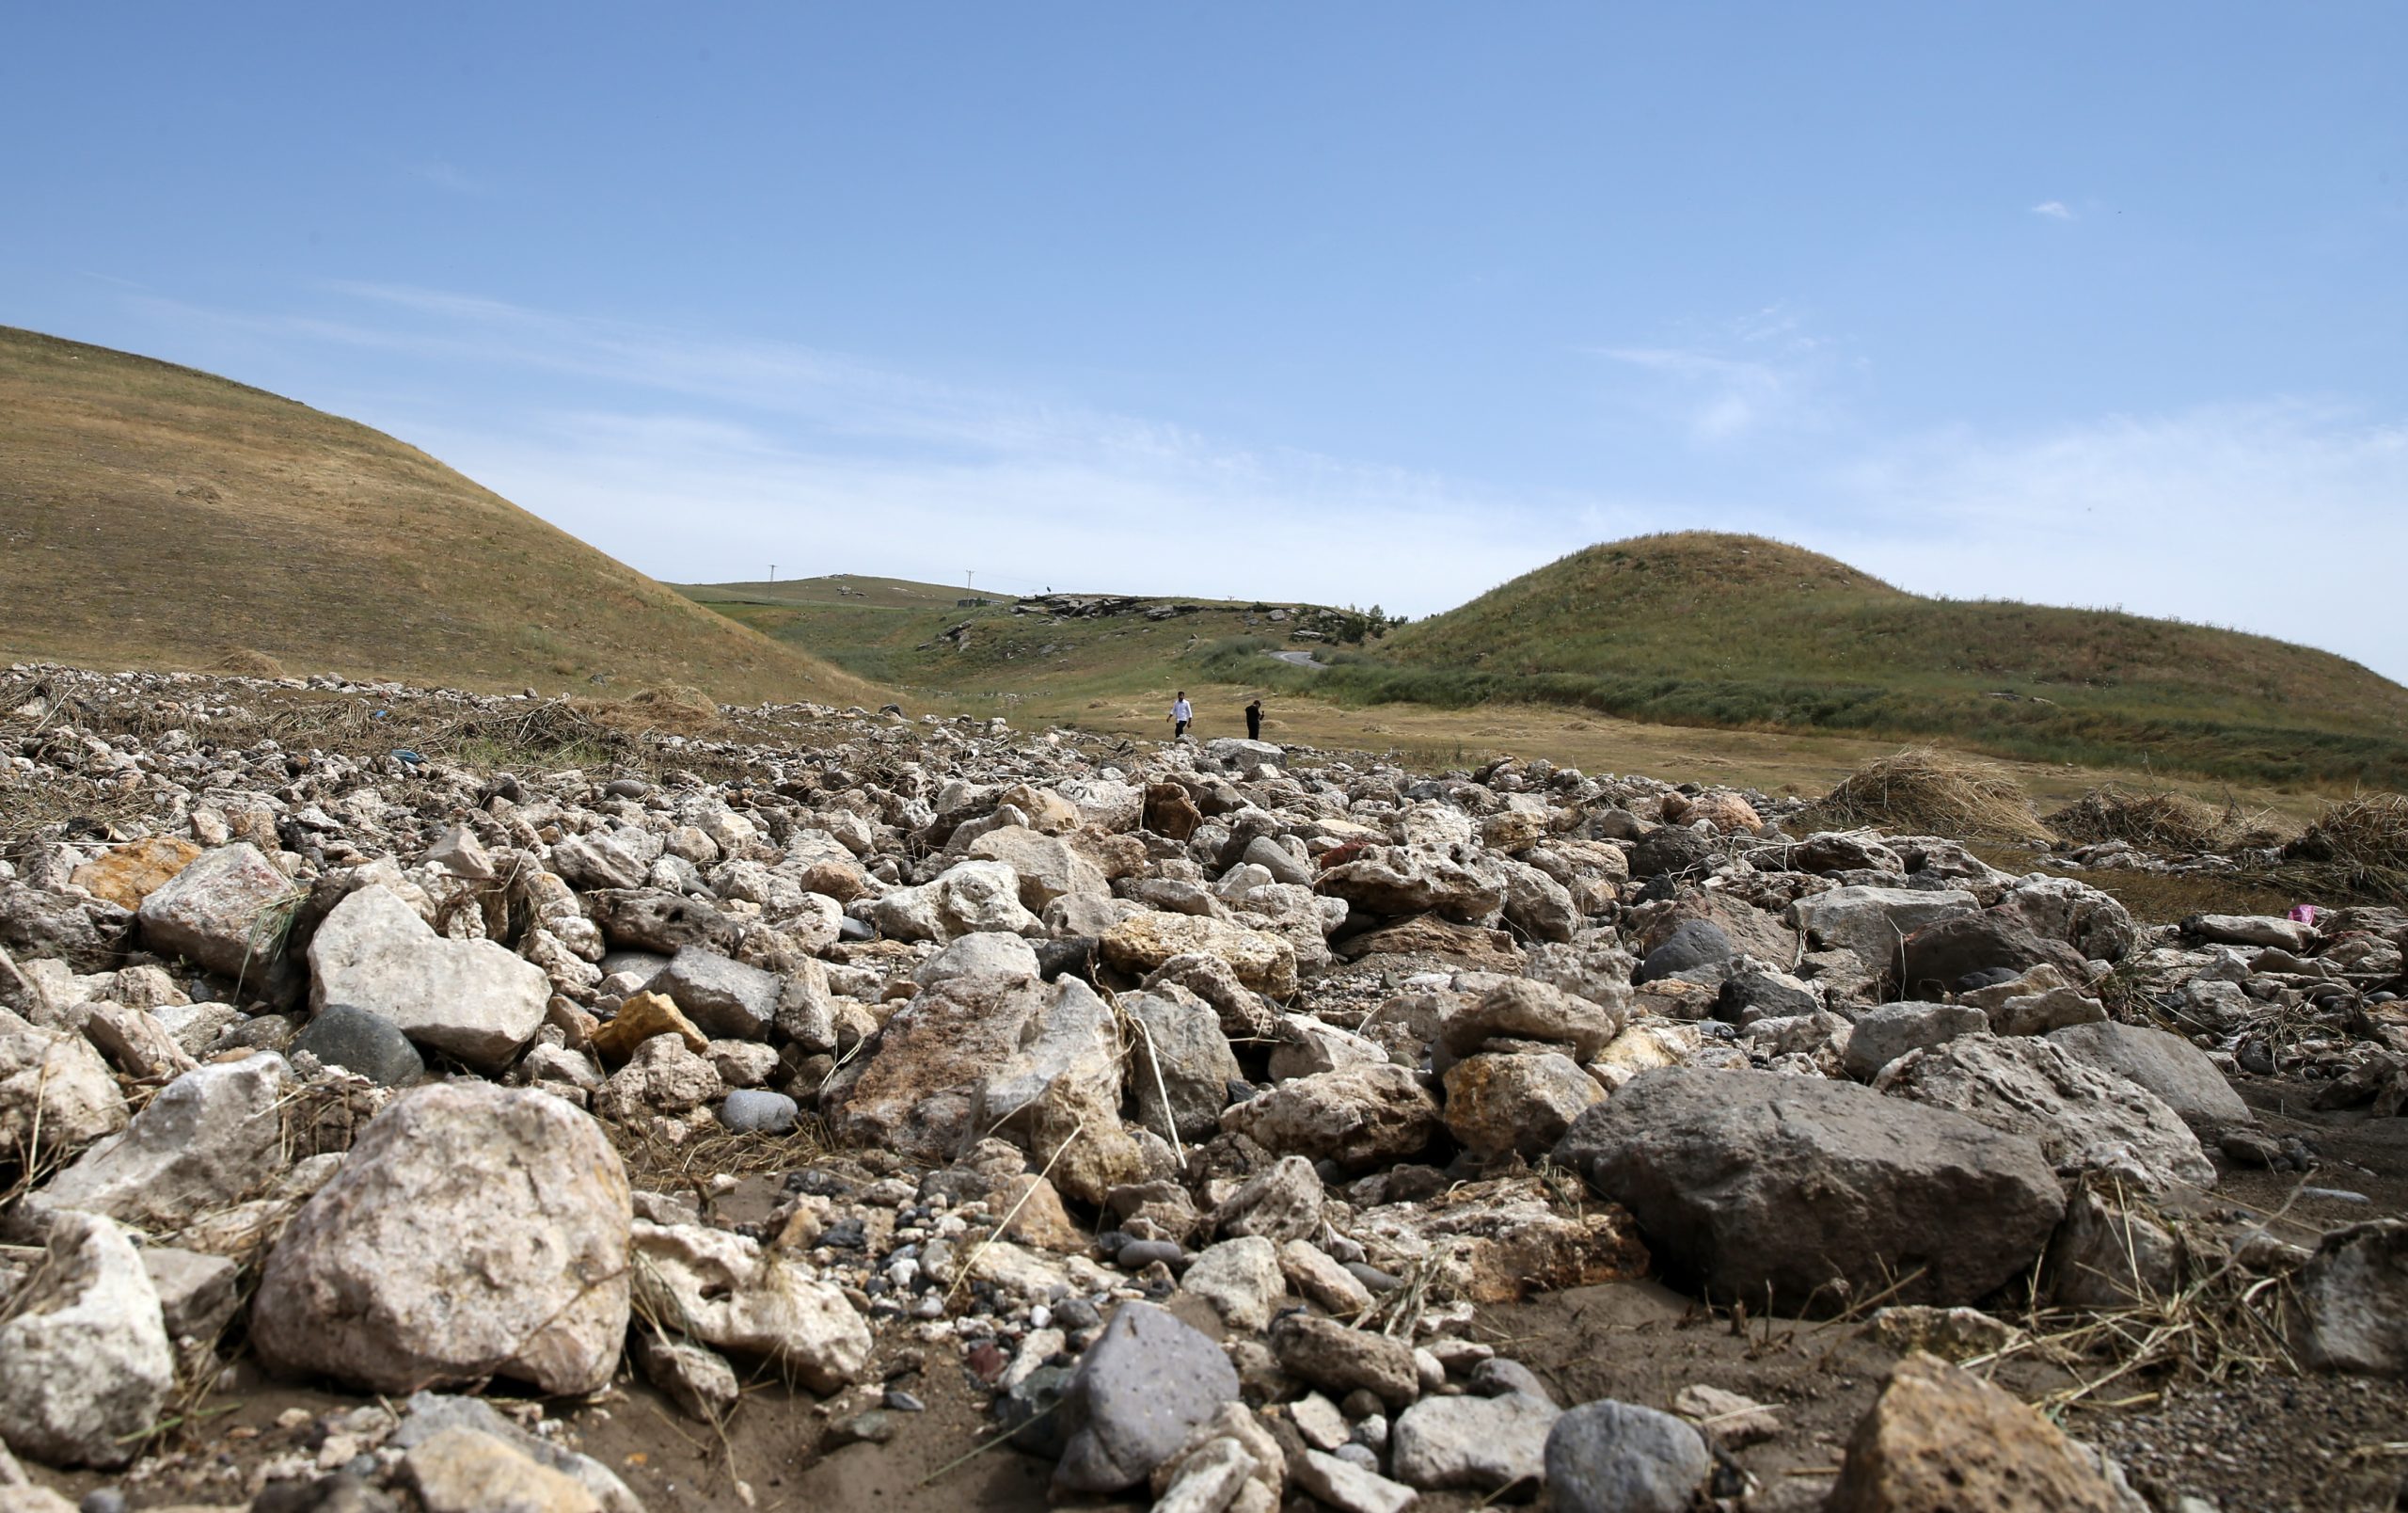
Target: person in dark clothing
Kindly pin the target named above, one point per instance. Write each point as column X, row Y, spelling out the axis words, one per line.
column 1253, row 720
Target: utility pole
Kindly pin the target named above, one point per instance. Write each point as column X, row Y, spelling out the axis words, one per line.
column 970, row 580
column 773, row 572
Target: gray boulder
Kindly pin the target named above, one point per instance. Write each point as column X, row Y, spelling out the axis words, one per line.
column 2354, row 1291
column 1181, row 1064
column 2167, row 1065
column 1881, row 1035
column 1475, row 1445
column 473, row 1232
column 359, row 1042
column 1145, row 1382
column 2084, row 1119
column 724, row 997
column 472, row 999
column 206, row 1140
column 1616, row 1457
column 84, row 1363
column 1872, row 922
column 1817, row 1193
column 1692, row 944
column 225, row 912
column 759, row 1111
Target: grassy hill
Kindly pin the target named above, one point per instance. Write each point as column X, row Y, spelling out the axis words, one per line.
column 1739, row 630
column 151, row 515
column 1694, row 630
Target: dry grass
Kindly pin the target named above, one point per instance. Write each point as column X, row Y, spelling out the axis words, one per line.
column 2221, row 1323
column 2163, row 820
column 1922, row 791
column 244, row 663
column 655, row 1164
column 2357, row 848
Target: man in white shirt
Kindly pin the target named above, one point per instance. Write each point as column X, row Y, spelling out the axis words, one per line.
column 1181, row 715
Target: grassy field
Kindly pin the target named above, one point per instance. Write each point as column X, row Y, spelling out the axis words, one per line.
column 1741, row 631
column 153, row 515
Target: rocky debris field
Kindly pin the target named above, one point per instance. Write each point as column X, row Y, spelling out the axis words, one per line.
column 830, row 1109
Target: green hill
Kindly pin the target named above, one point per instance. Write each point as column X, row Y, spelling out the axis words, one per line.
column 153, row 515
column 1727, row 629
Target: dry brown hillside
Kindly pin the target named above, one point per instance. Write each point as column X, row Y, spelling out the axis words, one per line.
column 153, row 515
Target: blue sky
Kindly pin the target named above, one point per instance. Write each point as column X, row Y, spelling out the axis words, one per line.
column 2093, row 304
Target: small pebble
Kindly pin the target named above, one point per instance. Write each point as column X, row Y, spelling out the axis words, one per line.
column 903, row 1402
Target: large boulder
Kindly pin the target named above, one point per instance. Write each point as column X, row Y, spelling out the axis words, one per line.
column 1817, row 1194
column 125, row 875
column 1880, row 1036
column 1146, row 1382
column 1872, row 922
column 1048, row 867
column 964, row 900
column 2167, row 1065
column 1941, row 1440
column 2085, row 918
column 2354, row 1293
column 1524, row 1102
column 1619, row 1458
column 1182, row 1065
column 724, row 997
column 1692, row 944
column 226, row 910
column 659, row 922
column 1480, row 1444
column 1058, row 1094
column 1145, row 942
column 1940, row 956
column 1529, row 1010
column 473, row 1232
column 206, row 1141
column 84, row 1363
column 472, row 999
column 56, row 1095
column 1358, row 1117
column 2085, row 1119
column 921, row 1078
column 88, row 935
column 1411, row 879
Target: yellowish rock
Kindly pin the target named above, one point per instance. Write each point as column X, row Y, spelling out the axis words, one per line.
column 125, row 875
column 639, row 1020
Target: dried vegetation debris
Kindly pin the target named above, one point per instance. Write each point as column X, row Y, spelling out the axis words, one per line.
column 794, row 1040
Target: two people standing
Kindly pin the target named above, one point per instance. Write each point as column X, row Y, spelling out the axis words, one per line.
column 1182, row 714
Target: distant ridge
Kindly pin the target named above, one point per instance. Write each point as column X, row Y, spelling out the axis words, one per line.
column 155, row 516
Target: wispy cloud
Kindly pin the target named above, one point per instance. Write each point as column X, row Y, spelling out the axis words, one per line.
column 2053, row 210
column 1761, row 371
column 449, row 178
column 697, row 458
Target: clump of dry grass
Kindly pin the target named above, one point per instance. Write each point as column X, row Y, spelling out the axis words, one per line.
column 243, row 662
column 2358, row 847
column 654, row 1162
column 2159, row 821
column 675, row 709
column 1921, row 791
